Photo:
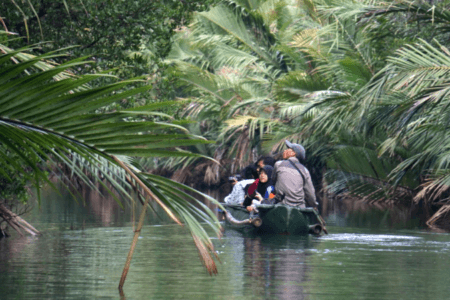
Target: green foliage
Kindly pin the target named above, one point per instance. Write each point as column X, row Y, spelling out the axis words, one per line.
column 13, row 184
column 362, row 84
column 127, row 38
column 51, row 121
column 363, row 98
column 103, row 28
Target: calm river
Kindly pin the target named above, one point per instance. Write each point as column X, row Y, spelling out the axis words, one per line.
column 369, row 254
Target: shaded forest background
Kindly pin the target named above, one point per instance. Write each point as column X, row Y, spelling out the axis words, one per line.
column 363, row 85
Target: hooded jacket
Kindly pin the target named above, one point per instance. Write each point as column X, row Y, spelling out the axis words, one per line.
column 265, row 189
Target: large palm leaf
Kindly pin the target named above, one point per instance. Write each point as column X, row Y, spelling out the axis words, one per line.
column 45, row 118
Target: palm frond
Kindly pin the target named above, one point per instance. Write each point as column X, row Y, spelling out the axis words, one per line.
column 225, row 19
column 45, row 120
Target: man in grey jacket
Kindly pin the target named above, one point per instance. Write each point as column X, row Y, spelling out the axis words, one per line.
column 293, row 188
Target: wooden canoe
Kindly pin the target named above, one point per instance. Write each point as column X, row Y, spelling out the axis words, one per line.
column 274, row 219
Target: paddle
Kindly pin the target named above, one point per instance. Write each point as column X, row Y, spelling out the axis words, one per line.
column 321, row 220
column 323, row 223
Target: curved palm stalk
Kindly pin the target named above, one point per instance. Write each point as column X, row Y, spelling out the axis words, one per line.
column 46, row 120
column 422, row 11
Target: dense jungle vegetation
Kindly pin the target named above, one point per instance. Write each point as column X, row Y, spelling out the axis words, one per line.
column 83, row 114
column 363, row 85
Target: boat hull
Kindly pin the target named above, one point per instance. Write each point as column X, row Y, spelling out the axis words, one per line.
column 275, row 219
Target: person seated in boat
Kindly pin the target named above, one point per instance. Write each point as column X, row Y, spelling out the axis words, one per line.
column 264, row 161
column 260, row 163
column 238, row 192
column 264, row 190
column 292, row 180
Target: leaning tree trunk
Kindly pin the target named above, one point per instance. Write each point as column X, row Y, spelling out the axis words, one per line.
column 15, row 222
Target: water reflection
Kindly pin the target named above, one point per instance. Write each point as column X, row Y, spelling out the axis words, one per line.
column 9, row 250
column 103, row 208
column 274, row 266
column 347, row 213
column 83, row 250
column 366, row 264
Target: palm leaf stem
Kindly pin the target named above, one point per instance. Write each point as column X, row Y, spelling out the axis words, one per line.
column 147, row 190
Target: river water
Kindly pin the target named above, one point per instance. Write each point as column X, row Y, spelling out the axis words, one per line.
column 368, row 254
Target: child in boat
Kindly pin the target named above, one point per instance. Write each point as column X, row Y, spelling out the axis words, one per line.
column 260, row 163
column 264, row 190
column 237, row 195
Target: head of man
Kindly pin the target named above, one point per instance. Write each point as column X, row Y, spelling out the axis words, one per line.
column 294, row 150
column 259, row 164
column 265, row 161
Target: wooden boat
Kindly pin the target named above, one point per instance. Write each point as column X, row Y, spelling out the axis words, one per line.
column 274, row 218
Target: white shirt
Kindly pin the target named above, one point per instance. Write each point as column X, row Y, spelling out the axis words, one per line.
column 237, row 195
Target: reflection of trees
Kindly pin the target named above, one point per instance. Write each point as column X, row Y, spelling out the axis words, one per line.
column 8, row 272
column 254, row 258
column 362, row 265
column 9, row 250
column 361, row 214
column 35, row 266
column 104, row 208
column 276, row 266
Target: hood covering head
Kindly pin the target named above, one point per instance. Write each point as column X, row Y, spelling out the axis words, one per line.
column 268, row 170
column 265, row 188
column 298, row 149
